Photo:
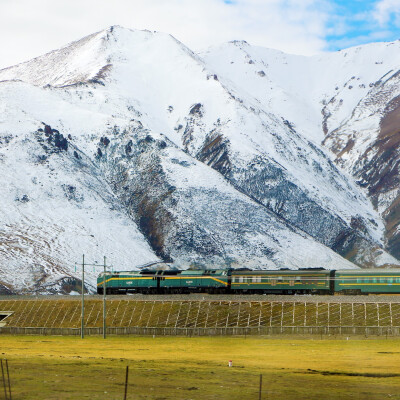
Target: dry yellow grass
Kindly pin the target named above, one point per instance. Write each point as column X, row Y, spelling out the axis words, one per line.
column 196, row 368
column 126, row 312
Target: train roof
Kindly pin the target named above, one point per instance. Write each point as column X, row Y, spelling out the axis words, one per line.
column 204, row 272
column 278, row 272
column 163, row 272
column 374, row 271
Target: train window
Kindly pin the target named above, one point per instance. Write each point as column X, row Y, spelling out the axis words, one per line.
column 298, row 278
column 280, row 278
column 233, row 279
column 241, row 279
column 254, row 279
column 375, row 280
column 358, row 280
column 391, row 280
column 259, row 279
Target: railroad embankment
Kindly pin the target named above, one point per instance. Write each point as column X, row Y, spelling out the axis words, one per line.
column 203, row 316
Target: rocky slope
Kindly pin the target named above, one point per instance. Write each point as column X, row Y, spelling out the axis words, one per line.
column 346, row 101
column 129, row 145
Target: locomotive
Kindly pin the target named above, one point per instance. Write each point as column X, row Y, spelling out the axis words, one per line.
column 245, row 281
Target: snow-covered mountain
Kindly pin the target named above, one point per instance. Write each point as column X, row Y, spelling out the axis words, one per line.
column 127, row 144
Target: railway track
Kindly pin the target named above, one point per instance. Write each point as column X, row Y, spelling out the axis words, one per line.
column 224, row 297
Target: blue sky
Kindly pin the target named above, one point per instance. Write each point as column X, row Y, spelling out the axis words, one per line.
column 30, row 28
column 358, row 22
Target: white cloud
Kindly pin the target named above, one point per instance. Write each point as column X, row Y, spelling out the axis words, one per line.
column 29, row 28
column 346, row 42
column 385, row 10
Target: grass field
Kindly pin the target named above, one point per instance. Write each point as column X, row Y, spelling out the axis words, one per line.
column 197, row 368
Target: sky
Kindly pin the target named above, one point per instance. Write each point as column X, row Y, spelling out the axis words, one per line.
column 29, row 28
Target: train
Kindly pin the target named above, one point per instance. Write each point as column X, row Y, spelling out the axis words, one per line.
column 245, row 281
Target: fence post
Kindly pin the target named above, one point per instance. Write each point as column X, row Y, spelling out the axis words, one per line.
column 260, row 390
column 8, row 377
column 83, row 299
column 104, row 300
column 4, row 380
column 126, row 382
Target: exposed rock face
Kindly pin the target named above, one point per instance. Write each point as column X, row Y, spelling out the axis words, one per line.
column 215, row 153
column 351, row 112
column 198, row 160
column 137, row 177
column 191, row 223
column 378, row 171
column 4, row 290
column 270, row 184
column 370, row 150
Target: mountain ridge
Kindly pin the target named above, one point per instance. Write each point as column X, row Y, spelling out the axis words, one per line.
column 209, row 153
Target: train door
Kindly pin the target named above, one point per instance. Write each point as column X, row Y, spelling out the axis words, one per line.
column 159, row 278
column 332, row 277
column 229, row 280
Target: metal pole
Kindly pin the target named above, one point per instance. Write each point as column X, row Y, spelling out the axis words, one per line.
column 4, row 380
column 8, row 376
column 259, row 393
column 104, row 300
column 83, row 298
column 126, row 382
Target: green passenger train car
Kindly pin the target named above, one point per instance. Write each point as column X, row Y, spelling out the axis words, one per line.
column 365, row 281
column 217, row 281
column 283, row 281
column 302, row 281
column 169, row 281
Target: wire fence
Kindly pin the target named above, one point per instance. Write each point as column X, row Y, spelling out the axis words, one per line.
column 193, row 332
column 231, row 316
